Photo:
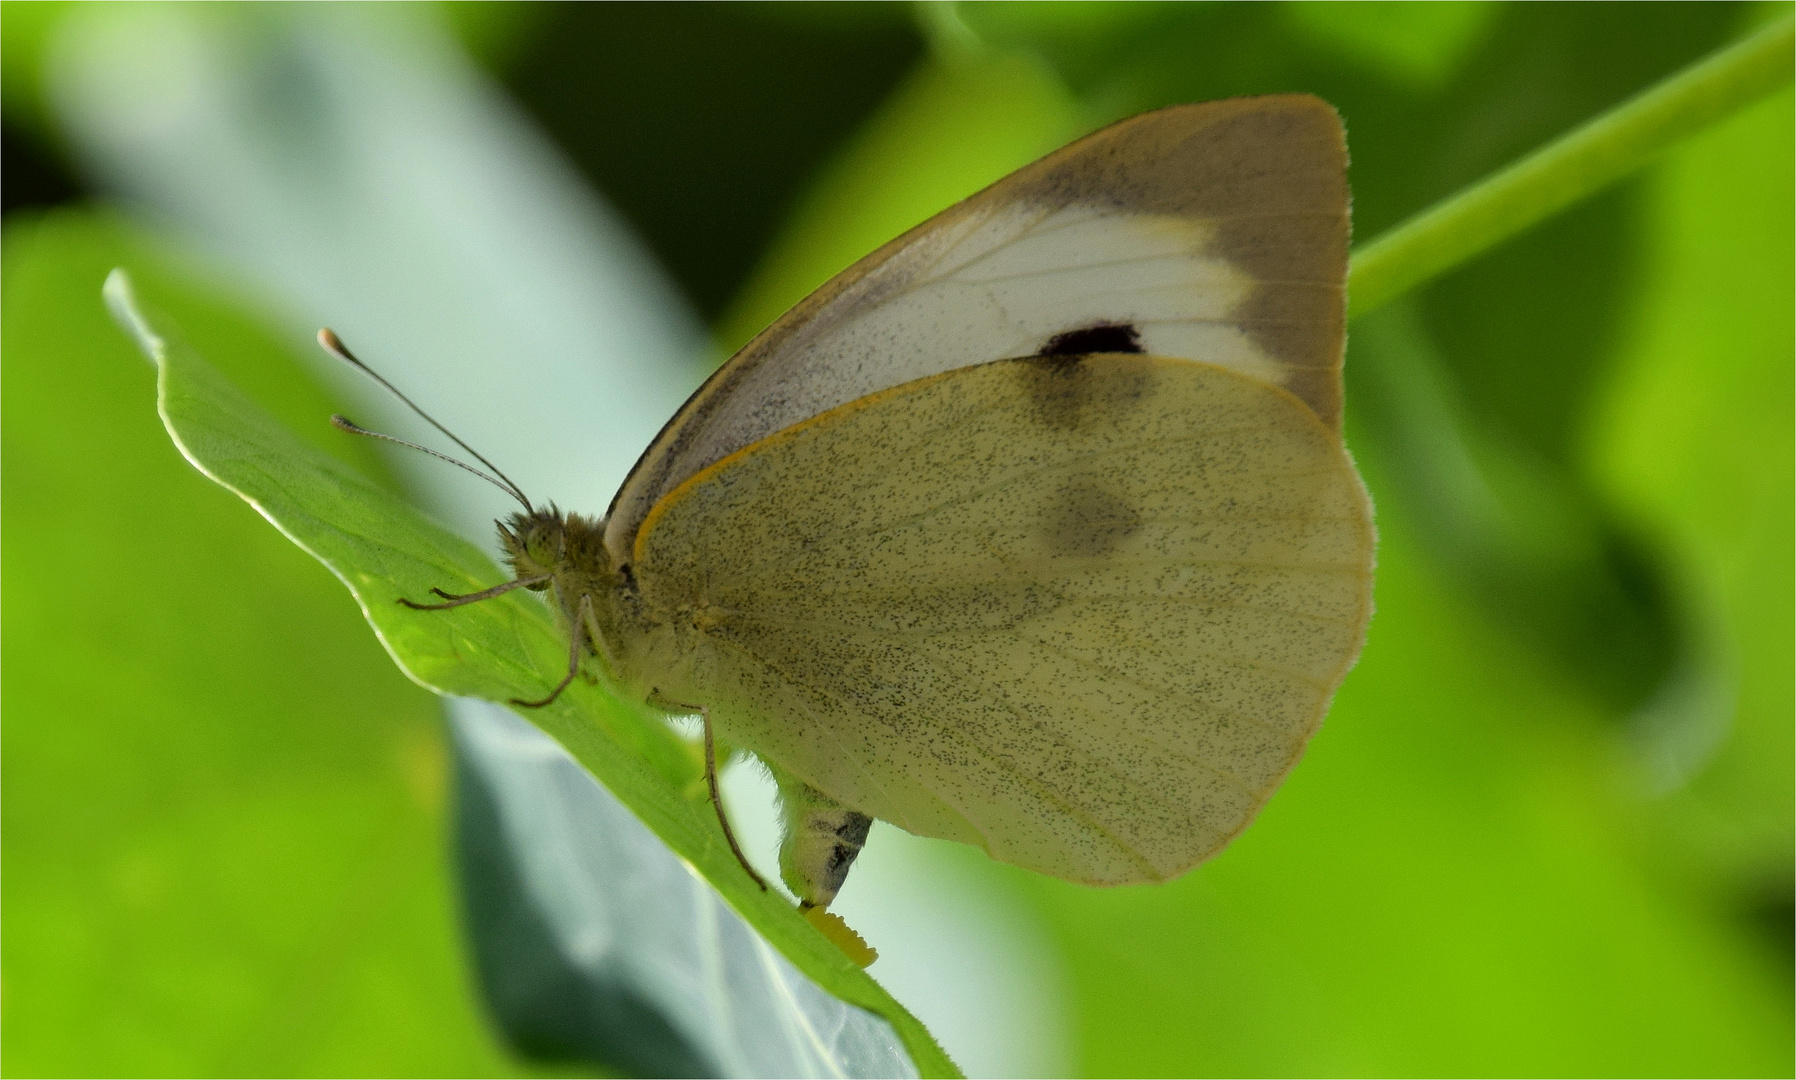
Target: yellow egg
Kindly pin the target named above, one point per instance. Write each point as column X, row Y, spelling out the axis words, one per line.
column 1032, row 530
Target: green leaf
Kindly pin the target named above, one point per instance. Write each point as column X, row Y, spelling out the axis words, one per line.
column 384, row 550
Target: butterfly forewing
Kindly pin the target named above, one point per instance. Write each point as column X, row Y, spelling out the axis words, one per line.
column 1213, row 232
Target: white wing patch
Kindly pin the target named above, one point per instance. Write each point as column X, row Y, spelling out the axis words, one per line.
column 1084, row 265
column 999, row 285
column 1011, row 285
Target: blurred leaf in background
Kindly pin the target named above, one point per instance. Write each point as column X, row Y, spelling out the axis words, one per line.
column 1684, row 438
column 774, row 88
column 1547, row 829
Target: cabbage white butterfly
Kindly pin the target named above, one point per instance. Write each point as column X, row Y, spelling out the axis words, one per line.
column 1033, row 529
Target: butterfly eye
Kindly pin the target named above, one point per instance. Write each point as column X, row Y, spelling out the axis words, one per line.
column 540, row 545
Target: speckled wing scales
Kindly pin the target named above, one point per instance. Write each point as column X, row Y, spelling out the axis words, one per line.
column 1218, row 231
column 1088, row 624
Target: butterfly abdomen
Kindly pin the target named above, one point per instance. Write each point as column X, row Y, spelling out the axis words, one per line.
column 821, row 839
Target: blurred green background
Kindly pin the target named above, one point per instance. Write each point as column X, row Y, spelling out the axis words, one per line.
column 1546, row 830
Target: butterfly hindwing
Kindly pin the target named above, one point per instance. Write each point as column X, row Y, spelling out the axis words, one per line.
column 1088, row 625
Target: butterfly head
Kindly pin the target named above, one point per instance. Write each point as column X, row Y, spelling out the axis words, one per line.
column 535, row 543
column 551, row 543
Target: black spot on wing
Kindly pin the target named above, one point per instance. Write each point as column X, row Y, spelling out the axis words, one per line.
column 1098, row 338
column 1086, row 519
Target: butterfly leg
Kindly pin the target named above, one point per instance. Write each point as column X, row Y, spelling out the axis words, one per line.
column 576, row 638
column 717, row 798
column 474, row 597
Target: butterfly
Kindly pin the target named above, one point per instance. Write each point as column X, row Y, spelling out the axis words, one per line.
column 1033, row 529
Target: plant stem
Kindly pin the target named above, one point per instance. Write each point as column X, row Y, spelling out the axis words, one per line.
column 1570, row 168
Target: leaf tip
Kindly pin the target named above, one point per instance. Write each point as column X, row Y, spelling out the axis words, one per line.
column 121, row 301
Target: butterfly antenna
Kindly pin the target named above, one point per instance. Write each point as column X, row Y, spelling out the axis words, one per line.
column 333, row 344
column 344, row 423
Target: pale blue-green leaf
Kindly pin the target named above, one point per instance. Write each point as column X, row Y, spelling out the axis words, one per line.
column 672, row 981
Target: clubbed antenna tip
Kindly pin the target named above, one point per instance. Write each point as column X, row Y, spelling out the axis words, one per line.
column 334, row 345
